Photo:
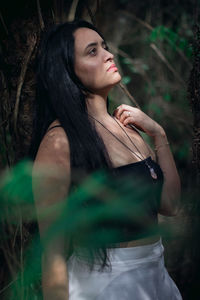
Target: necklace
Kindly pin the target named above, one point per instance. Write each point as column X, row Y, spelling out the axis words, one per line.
column 151, row 169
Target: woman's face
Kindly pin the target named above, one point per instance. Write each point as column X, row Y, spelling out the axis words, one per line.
column 94, row 64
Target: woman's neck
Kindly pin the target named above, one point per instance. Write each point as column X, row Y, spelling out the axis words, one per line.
column 97, row 107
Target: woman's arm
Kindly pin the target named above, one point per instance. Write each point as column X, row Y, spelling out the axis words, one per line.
column 170, row 198
column 51, row 179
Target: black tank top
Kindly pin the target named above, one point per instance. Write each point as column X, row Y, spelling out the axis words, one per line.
column 134, row 198
column 137, row 197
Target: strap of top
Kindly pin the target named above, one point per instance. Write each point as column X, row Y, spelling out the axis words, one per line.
column 53, row 127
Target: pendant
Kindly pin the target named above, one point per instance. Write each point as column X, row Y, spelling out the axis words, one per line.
column 152, row 171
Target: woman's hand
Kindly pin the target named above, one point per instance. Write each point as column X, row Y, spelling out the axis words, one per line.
column 127, row 114
column 170, row 198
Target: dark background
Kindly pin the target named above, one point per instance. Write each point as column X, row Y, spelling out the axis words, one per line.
column 156, row 46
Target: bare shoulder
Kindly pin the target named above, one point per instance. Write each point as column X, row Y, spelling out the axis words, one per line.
column 54, row 148
column 51, row 176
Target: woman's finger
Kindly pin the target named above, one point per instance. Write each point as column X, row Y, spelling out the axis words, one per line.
column 120, row 109
column 127, row 120
column 125, row 114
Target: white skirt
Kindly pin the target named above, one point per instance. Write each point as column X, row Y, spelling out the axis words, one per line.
column 137, row 273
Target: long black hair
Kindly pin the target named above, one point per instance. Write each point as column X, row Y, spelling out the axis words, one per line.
column 61, row 95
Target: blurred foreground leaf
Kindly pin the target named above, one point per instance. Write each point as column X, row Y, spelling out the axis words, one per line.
column 94, row 215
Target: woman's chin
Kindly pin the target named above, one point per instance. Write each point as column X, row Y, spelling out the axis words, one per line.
column 118, row 79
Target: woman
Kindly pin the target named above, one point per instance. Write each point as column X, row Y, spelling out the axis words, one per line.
column 74, row 131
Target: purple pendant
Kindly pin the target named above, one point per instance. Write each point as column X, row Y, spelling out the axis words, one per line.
column 153, row 173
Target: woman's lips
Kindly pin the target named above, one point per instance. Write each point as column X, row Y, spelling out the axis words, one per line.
column 112, row 68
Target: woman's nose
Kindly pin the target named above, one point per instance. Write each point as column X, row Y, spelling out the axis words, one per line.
column 108, row 55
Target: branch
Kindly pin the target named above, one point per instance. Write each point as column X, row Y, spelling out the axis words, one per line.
column 8, row 262
column 3, row 23
column 161, row 56
column 90, row 14
column 6, row 120
column 98, row 4
column 53, row 16
column 164, row 59
column 72, row 11
column 32, row 42
column 21, row 255
column 125, row 90
column 123, row 87
column 5, row 115
column 40, row 15
column 7, row 286
column 148, row 26
column 132, row 16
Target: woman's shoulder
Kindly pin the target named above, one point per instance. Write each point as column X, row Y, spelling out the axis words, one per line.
column 54, row 147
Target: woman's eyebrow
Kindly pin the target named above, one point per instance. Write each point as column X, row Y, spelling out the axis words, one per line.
column 91, row 45
column 94, row 44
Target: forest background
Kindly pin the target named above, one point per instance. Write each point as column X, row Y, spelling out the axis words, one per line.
column 157, row 49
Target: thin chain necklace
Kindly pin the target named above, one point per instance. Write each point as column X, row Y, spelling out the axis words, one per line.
column 151, row 169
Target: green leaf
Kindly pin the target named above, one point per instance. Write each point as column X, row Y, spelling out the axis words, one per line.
column 182, row 44
column 167, row 97
column 126, row 61
column 184, row 151
column 145, row 67
column 162, row 33
column 153, row 35
column 133, row 70
column 126, row 80
column 155, row 108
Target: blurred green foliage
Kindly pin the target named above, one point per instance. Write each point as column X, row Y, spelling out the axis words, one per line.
column 162, row 33
column 156, row 62
column 126, row 79
column 94, row 215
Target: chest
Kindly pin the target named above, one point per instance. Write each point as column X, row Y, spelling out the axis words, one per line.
column 124, row 146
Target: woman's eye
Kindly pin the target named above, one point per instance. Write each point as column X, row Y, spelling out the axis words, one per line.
column 93, row 51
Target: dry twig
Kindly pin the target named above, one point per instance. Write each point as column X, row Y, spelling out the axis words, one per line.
column 21, row 255
column 123, row 87
column 125, row 90
column 91, row 15
column 164, row 59
column 32, row 42
column 148, row 26
column 72, row 11
column 6, row 120
column 40, row 15
column 132, row 16
column 3, row 23
column 7, row 286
